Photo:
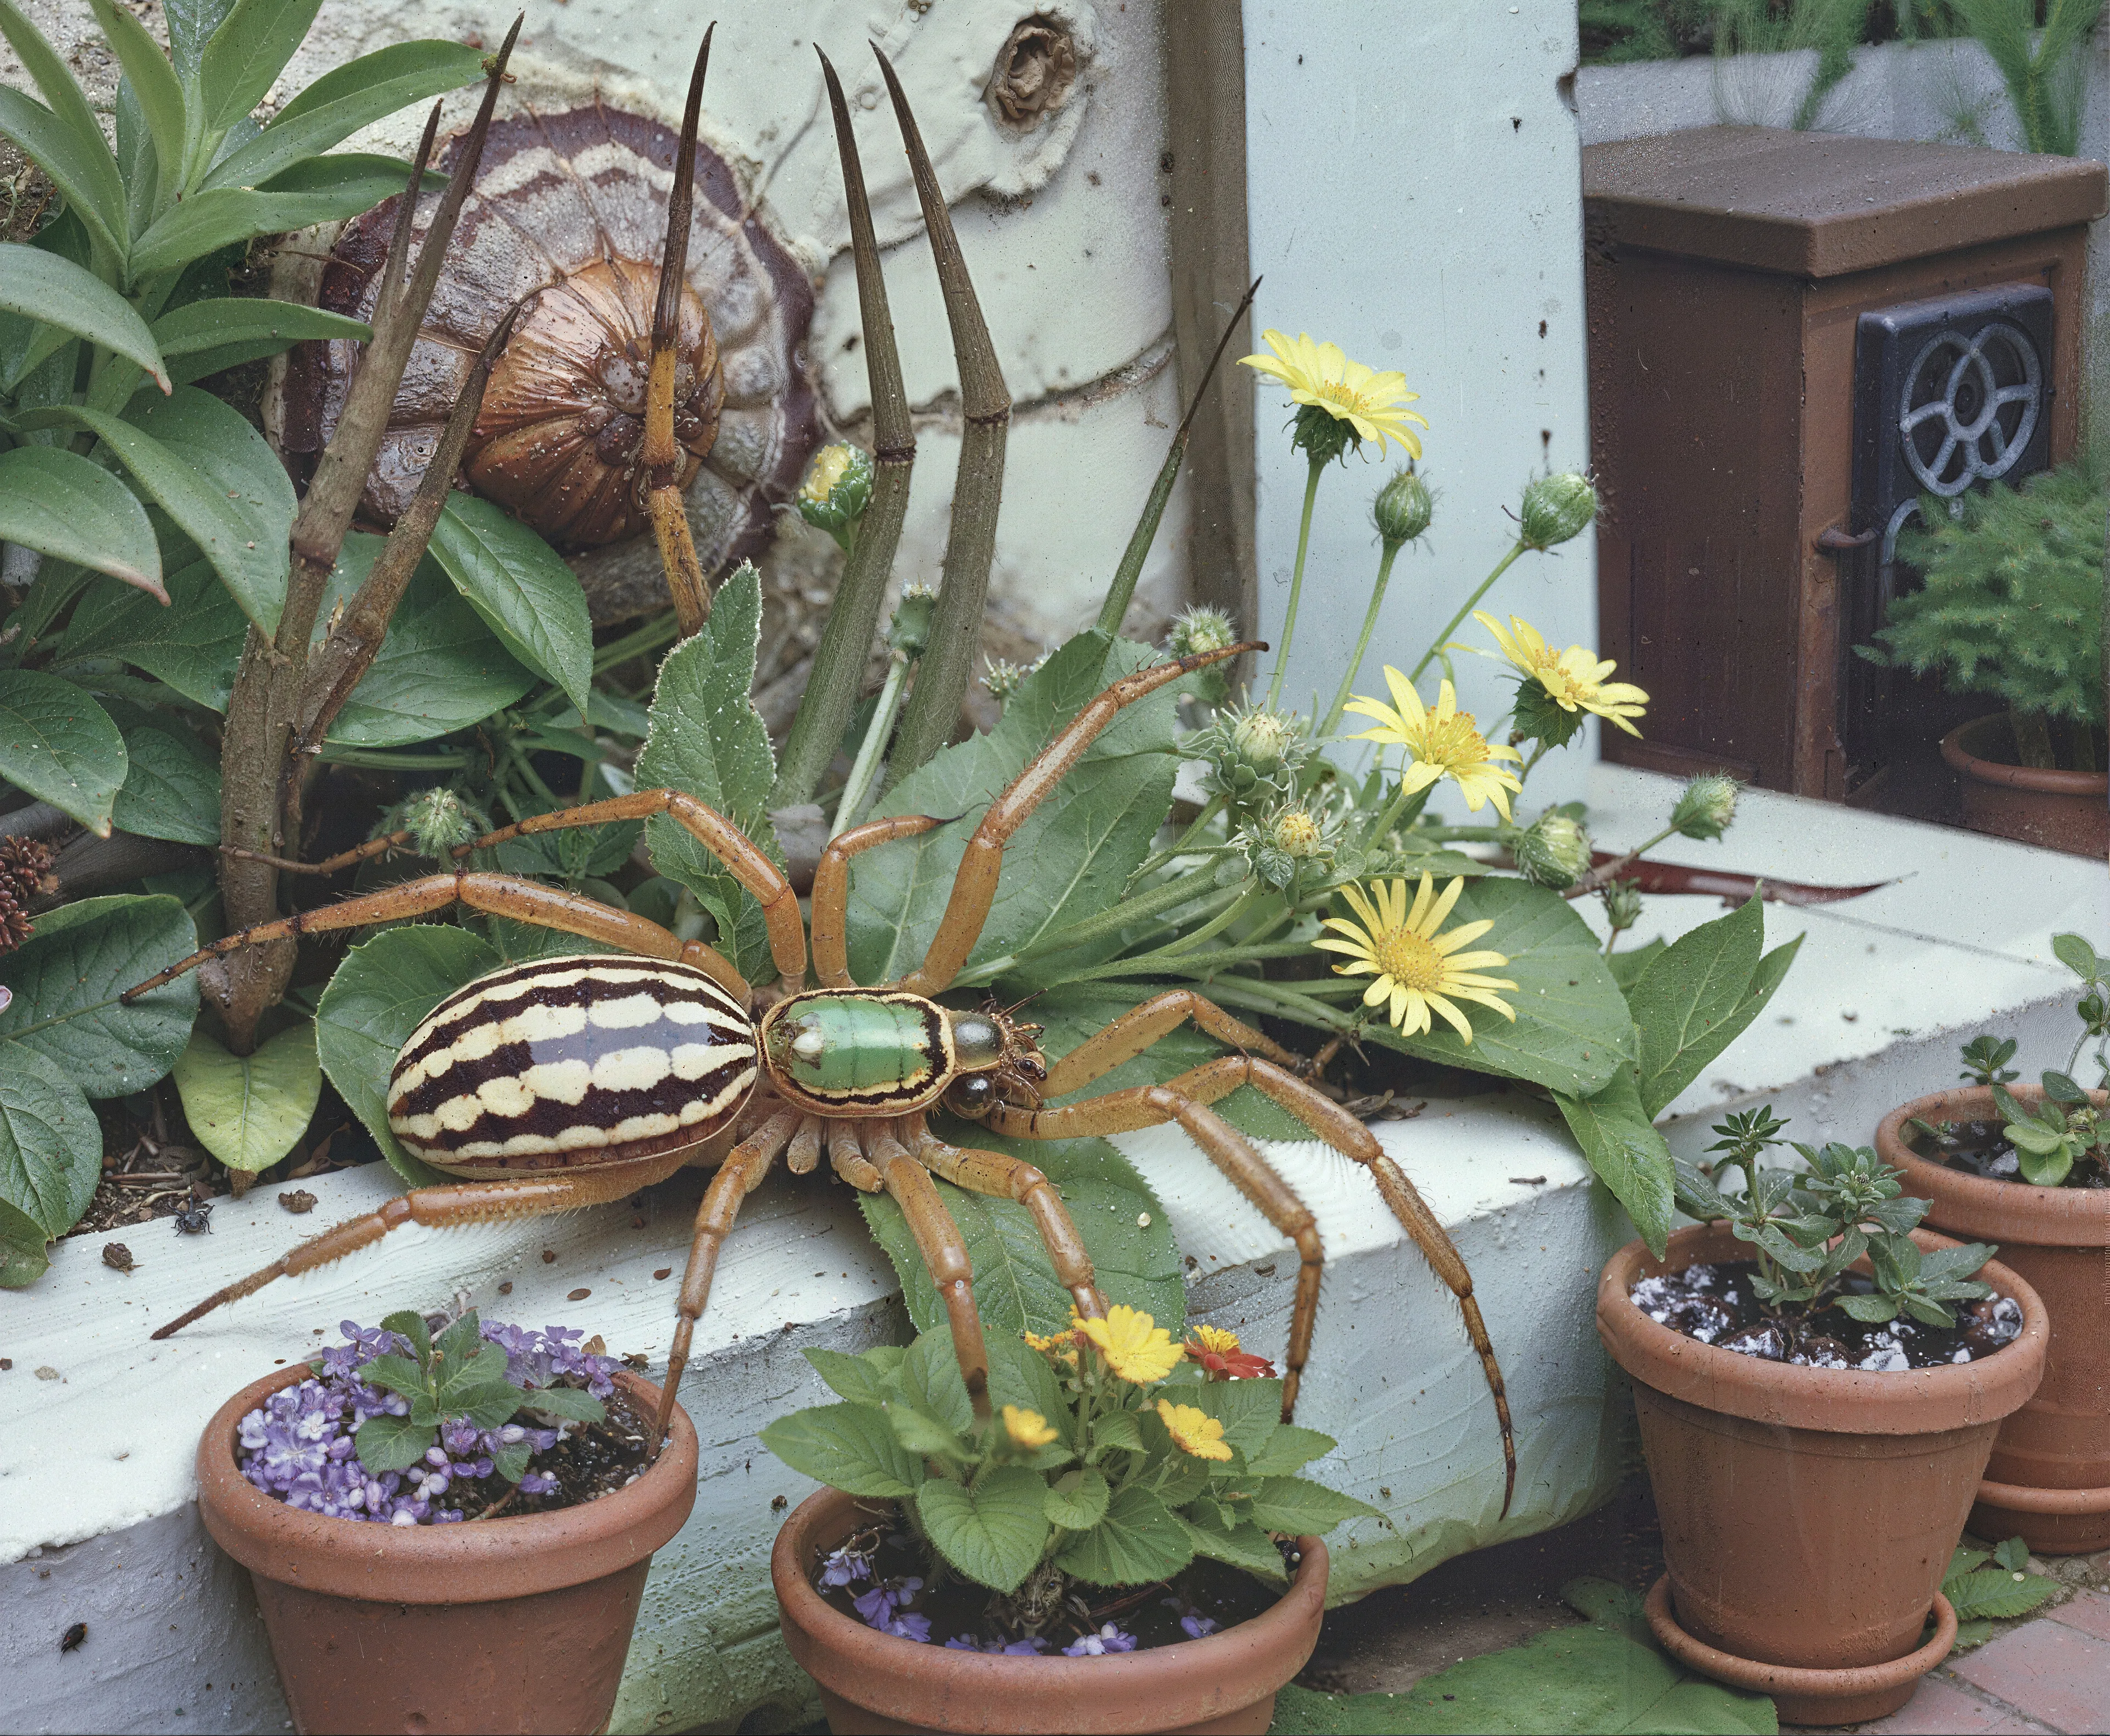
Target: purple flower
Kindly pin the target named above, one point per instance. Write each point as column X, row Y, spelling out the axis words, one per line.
column 1198, row 1626
column 845, row 1567
column 878, row 1605
column 909, row 1627
column 1109, row 1639
column 538, row 1483
column 1032, row 1648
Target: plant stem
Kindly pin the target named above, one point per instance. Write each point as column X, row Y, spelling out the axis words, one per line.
column 1604, row 873
column 1167, row 896
column 662, row 630
column 1215, row 924
column 381, row 759
column 1465, row 608
column 1363, row 642
column 1190, row 964
column 874, row 744
column 1396, row 812
column 1296, row 584
column 1214, row 806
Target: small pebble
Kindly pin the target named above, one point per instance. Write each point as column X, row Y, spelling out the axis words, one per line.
column 506, row 1288
column 47, row 1373
column 298, row 1201
column 549, row 1256
column 578, row 1295
column 115, row 1254
column 6, row 1364
column 664, row 1272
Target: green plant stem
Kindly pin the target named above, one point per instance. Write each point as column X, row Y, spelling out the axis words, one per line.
column 1180, row 846
column 873, row 746
column 1465, row 608
column 1170, row 896
column 662, row 630
column 1394, row 811
column 1217, row 923
column 380, row 759
column 1296, row 584
column 1363, row 640
column 1604, row 873
column 1190, row 964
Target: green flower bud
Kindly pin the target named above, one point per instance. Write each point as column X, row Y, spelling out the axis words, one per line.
column 1263, row 739
column 1003, row 680
column 1706, row 806
column 1403, row 508
column 1553, row 851
column 1322, row 434
column 909, row 631
column 1623, row 905
column 1556, row 509
column 1199, row 631
column 1254, row 756
column 837, row 490
column 437, row 820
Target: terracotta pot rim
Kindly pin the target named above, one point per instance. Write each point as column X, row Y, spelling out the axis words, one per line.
column 2043, row 780
column 1801, row 1680
column 2025, row 1498
column 2011, row 1211
column 856, row 1658
column 1841, row 1401
column 479, row 1561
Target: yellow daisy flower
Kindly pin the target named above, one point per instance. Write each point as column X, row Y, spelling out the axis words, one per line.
column 1572, row 678
column 1027, row 1429
column 1417, row 969
column 1194, row 1432
column 1445, row 743
column 1215, row 1338
column 1321, row 375
column 1136, row 1348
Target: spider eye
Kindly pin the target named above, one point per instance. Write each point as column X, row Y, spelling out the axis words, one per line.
column 972, row 1096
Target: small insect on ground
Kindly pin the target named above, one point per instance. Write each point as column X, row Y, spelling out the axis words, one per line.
column 193, row 1219
column 70, row 1640
column 297, row 1201
column 116, row 1254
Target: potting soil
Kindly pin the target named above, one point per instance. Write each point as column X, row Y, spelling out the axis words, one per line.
column 1982, row 1148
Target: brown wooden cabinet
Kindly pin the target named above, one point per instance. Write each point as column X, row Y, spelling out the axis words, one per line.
column 1727, row 272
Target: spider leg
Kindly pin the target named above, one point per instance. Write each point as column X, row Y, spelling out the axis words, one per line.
column 738, row 1176
column 974, row 887
column 496, row 894
column 343, row 859
column 1003, row 1177
column 717, row 835
column 1142, row 1025
column 445, row 1207
column 662, row 457
column 831, row 891
column 1185, row 1098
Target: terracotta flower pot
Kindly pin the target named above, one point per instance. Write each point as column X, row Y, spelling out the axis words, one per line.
column 2067, row 811
column 877, row 1682
column 1808, row 1514
column 2049, row 1479
column 505, row 1623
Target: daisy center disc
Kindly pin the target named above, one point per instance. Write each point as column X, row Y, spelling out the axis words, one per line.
column 1408, row 959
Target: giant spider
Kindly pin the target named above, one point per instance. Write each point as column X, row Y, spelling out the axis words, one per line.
column 575, row 1081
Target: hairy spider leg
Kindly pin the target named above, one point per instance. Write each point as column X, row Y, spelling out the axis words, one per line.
column 738, row 1176
column 1142, row 1025
column 717, row 835
column 974, row 887
column 445, row 1206
column 1185, row 1100
column 496, row 894
column 662, row 458
column 831, row 891
column 343, row 859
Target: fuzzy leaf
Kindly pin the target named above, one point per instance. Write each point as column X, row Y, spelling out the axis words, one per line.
column 250, row 1111
column 1297, row 1505
column 51, row 1146
column 1250, row 1411
column 1693, row 989
column 1140, row 1539
column 66, row 979
column 1078, row 1501
column 993, row 1533
column 1628, row 1154
column 928, row 1380
column 1997, row 1594
column 171, row 787
column 1286, row 1450
column 850, row 1377
column 1242, row 1544
column 386, row 1443
column 56, row 742
column 849, row 1447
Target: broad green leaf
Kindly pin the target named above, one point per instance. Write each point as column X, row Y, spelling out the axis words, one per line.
column 993, row 1533
column 193, row 644
column 1685, row 1000
column 1015, row 1289
column 56, row 742
column 202, row 337
column 70, row 128
column 23, row 1255
column 154, row 87
column 928, row 1380
column 319, row 190
column 524, row 592
column 245, row 55
column 849, row 1447
column 440, row 669
column 137, row 164
column 44, row 286
column 563, row 1401
column 1069, row 860
column 345, row 99
column 2074, row 951
column 67, row 978
column 924, row 1436
column 1140, row 1539
column 62, row 504
column 171, row 787
column 386, row 1443
column 1243, row 1544
column 1078, row 1501
column 250, row 1111
column 1572, row 1030
column 1627, row 967
column 191, row 25
column 1299, row 1506
column 1020, row 1375
column 380, row 995
column 1250, row 1411
column 48, row 143
column 1288, row 1450
column 51, row 1145
column 848, row 1377
column 1628, row 1154
column 707, row 739
column 1997, row 1594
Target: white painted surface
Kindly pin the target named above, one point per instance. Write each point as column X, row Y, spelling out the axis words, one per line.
column 1413, row 179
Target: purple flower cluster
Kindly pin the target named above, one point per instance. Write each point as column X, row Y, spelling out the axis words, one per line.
column 1032, row 1648
column 298, row 1446
column 1198, row 1626
column 884, row 1607
column 1109, row 1639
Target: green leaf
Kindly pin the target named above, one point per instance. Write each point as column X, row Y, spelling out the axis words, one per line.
column 250, row 1111
column 51, row 1145
column 1020, row 1375
column 439, row 670
column 171, row 787
column 380, row 995
column 62, row 504
column 1997, row 1594
column 191, row 25
column 202, row 337
column 45, row 285
column 1627, row 1153
column 56, row 742
column 1078, row 1501
column 1015, row 1288
column 193, row 644
column 246, row 54
column 849, row 1377
column 1140, row 1539
column 525, row 592
column 394, row 1373
column 993, row 1533
column 1286, row 1450
column 2011, row 1553
column 67, row 978
column 1696, row 997
column 923, row 1436
column 323, row 189
column 1243, row 1544
column 849, row 1447
column 564, row 1401
column 65, row 139
column 1627, row 968
column 928, row 1380
column 155, row 89
column 386, row 1443
column 2074, row 951
column 1250, row 1411
column 707, row 739
column 1298, row 1506
column 24, row 1254
column 1118, row 1430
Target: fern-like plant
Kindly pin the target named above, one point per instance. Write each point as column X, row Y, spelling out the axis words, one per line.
column 2013, row 606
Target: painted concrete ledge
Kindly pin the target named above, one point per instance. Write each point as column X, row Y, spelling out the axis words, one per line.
column 96, row 1519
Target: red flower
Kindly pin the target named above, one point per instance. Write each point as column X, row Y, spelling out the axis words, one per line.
column 1218, row 1351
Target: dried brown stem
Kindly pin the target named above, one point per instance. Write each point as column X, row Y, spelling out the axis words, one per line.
column 941, row 680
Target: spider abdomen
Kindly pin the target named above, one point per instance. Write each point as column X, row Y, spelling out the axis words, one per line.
column 569, row 1062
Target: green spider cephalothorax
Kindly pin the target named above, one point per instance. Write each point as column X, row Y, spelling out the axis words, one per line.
column 884, row 1052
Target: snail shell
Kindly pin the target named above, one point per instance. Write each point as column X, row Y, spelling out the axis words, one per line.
column 569, row 214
